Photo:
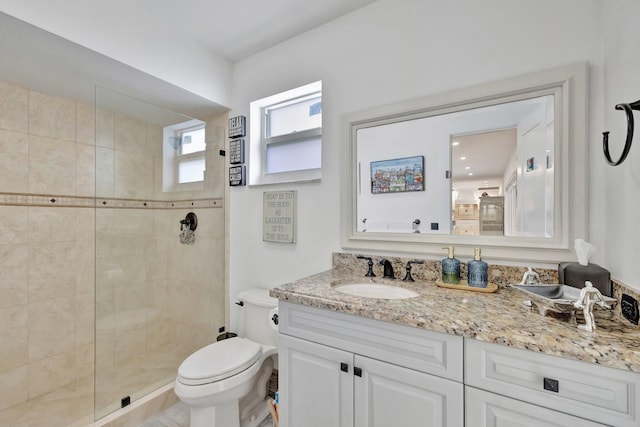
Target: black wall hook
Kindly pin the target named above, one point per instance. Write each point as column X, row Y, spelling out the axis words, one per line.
column 628, row 109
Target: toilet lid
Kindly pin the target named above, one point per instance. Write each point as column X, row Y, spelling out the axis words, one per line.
column 218, row 361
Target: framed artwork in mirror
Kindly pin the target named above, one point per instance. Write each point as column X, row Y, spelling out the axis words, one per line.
column 397, row 175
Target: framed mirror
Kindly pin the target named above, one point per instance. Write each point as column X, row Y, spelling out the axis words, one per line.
column 501, row 166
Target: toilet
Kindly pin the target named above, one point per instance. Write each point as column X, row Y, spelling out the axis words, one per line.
column 225, row 383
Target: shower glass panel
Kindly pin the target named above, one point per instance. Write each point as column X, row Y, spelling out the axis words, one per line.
column 157, row 300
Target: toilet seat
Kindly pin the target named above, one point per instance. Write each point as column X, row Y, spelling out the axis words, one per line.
column 218, row 361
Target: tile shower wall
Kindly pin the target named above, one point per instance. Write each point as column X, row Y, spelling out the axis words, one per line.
column 46, row 253
column 64, row 263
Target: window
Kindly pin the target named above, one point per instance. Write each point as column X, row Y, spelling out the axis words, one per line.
column 184, row 156
column 191, row 158
column 286, row 136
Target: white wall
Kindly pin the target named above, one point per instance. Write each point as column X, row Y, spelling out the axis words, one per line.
column 622, row 191
column 390, row 51
column 396, row 212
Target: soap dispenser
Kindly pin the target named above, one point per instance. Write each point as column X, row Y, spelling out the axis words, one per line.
column 478, row 271
column 451, row 268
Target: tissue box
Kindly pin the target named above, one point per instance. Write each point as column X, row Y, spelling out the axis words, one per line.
column 574, row 274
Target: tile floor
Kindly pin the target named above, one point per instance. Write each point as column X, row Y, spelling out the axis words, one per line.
column 178, row 416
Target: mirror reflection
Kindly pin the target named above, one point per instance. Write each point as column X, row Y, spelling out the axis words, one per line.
column 480, row 171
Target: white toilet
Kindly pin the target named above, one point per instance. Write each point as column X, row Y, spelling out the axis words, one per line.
column 224, row 384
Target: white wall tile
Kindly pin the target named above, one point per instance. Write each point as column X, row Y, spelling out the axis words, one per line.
column 14, row 337
column 105, row 128
column 52, row 116
column 85, row 124
column 52, row 166
column 51, row 270
column 48, row 225
column 13, row 387
column 85, row 170
column 14, row 226
column 14, row 161
column 51, row 373
column 130, row 134
column 14, row 288
column 51, row 327
column 14, row 108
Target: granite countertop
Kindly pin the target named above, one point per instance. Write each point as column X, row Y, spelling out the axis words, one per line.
column 499, row 317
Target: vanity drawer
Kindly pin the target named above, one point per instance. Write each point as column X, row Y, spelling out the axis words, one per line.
column 485, row 409
column 606, row 395
column 426, row 351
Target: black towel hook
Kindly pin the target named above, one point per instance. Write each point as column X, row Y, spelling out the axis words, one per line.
column 628, row 109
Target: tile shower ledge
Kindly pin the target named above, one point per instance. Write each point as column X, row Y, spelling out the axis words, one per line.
column 499, row 318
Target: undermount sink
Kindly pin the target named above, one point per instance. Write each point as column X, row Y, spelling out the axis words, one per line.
column 376, row 290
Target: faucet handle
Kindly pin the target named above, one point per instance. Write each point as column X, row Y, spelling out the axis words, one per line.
column 370, row 273
column 407, row 277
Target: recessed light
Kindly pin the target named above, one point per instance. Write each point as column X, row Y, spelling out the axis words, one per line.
column 455, row 143
column 463, row 158
column 470, row 173
column 467, row 167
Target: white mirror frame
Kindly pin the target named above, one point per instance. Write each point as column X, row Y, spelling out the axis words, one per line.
column 571, row 204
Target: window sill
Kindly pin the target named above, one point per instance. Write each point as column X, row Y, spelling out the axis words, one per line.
column 311, row 175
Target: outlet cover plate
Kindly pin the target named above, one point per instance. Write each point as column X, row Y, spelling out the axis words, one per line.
column 629, row 308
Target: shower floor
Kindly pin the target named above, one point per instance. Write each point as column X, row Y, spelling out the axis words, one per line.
column 73, row 405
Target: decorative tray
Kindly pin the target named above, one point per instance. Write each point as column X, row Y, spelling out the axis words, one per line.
column 464, row 286
column 563, row 299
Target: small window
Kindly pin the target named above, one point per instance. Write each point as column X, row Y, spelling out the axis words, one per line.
column 184, row 156
column 286, row 141
column 190, row 161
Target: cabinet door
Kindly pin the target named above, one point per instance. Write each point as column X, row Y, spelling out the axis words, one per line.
column 485, row 409
column 389, row 395
column 315, row 390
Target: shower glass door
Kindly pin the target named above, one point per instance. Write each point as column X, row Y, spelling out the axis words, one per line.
column 158, row 297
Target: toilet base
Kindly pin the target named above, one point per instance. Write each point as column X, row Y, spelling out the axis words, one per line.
column 228, row 415
column 258, row 415
column 221, row 415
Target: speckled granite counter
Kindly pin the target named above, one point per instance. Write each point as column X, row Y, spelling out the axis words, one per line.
column 493, row 317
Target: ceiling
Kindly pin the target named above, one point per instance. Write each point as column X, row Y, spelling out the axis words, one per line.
column 236, row 29
column 35, row 58
column 232, row 29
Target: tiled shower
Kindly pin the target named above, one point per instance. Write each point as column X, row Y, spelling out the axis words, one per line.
column 99, row 300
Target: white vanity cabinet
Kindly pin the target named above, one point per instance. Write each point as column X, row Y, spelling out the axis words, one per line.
column 543, row 389
column 342, row 370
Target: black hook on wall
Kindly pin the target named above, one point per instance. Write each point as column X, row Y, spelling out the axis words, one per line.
column 628, row 109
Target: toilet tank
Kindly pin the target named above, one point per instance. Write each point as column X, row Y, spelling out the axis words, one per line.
column 254, row 321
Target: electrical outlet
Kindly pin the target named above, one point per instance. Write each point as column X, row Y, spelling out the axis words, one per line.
column 629, row 308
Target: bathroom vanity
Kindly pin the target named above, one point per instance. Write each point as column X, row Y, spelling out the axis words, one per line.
column 447, row 358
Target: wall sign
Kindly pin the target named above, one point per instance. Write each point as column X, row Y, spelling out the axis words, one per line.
column 279, row 212
column 237, row 126
column 236, row 151
column 237, row 176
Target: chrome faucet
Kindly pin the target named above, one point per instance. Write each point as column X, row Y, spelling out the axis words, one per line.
column 388, row 269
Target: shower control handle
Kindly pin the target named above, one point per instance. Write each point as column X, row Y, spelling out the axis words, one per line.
column 275, row 319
